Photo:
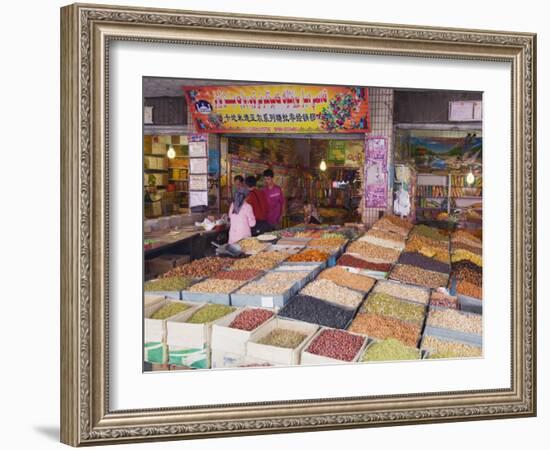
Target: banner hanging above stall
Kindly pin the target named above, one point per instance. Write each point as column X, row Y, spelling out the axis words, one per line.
column 279, row 109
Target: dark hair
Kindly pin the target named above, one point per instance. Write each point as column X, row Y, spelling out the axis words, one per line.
column 268, row 173
column 238, row 178
column 250, row 181
column 306, row 202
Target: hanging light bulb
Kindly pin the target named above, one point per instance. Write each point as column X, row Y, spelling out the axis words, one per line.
column 171, row 153
column 323, row 165
column 470, row 178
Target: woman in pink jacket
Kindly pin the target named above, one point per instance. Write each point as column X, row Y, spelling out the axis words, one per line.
column 241, row 217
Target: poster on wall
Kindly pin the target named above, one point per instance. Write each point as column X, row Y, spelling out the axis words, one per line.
column 198, row 182
column 336, row 152
column 432, row 153
column 279, row 108
column 197, row 149
column 376, row 172
column 198, row 165
column 198, row 198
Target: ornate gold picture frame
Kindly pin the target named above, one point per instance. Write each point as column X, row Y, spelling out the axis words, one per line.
column 87, row 31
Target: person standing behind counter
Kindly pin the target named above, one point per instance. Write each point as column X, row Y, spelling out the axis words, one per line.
column 275, row 199
column 258, row 200
column 241, row 217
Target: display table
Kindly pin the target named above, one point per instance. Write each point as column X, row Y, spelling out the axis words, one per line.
column 193, row 241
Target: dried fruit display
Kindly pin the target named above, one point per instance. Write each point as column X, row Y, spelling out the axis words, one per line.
column 331, row 292
column 443, row 300
column 386, row 305
column 168, row 284
column 382, row 327
column 282, row 277
column 416, row 275
column 314, row 310
column 336, row 344
column 455, row 320
column 441, row 348
column 466, row 238
column 368, row 250
column 390, row 350
column 459, row 265
column 334, row 242
column 469, row 289
column 295, row 268
column 404, row 291
column 215, row 286
column 273, row 288
column 464, row 273
column 199, row 268
column 342, row 277
column 393, row 224
column 240, row 274
column 252, row 245
column 384, row 239
column 429, row 232
column 470, row 248
column 261, row 261
column 460, row 255
column 281, row 337
column 309, row 255
column 169, row 310
column 250, row 319
column 424, row 262
column 353, row 261
column 428, row 247
column 210, row 313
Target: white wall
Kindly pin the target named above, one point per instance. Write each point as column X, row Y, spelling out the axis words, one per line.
column 30, row 221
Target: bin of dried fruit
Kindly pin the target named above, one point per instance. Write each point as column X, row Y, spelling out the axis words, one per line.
column 348, row 260
column 386, row 305
column 281, row 341
column 430, row 233
column 415, row 275
column 331, row 346
column 331, row 292
column 452, row 319
column 464, row 273
column 212, row 290
column 384, row 239
column 466, row 238
column 317, row 311
column 200, row 268
column 424, row 262
column 168, row 287
column 251, row 246
column 374, row 252
column 333, row 242
column 393, row 224
column 389, row 350
column 344, row 278
column 403, row 291
column 442, row 300
column 239, row 274
column 428, row 247
column 194, row 331
column 272, row 290
column 309, row 255
column 470, row 248
column 250, row 319
column 157, row 314
column 261, row 261
column 469, row 289
column 443, row 348
column 383, row 327
column 231, row 333
column 461, row 255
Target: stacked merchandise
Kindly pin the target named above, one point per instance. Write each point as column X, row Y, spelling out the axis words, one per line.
column 299, row 299
column 425, row 261
column 375, row 252
column 466, row 275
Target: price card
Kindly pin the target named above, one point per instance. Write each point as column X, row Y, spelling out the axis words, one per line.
column 197, row 149
column 267, row 302
column 198, row 198
column 198, row 165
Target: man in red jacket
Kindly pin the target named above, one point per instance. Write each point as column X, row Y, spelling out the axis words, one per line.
column 258, row 201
